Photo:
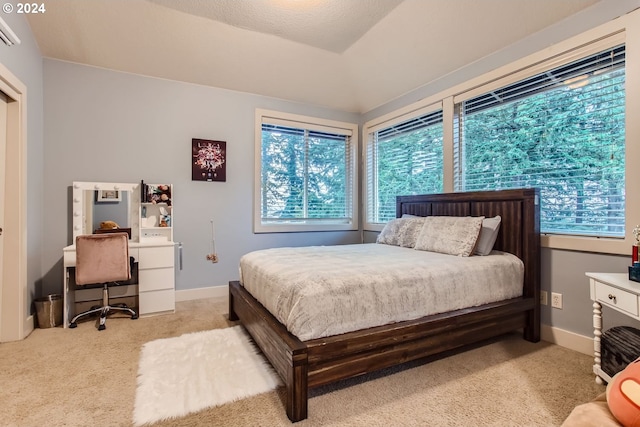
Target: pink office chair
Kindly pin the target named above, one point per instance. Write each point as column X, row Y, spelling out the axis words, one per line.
column 102, row 259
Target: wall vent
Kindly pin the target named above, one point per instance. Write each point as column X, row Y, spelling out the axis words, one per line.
column 7, row 35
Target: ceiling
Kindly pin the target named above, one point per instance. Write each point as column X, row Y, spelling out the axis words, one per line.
column 350, row 55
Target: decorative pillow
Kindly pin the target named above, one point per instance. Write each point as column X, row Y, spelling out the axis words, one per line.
column 401, row 232
column 454, row 235
column 488, row 235
column 623, row 395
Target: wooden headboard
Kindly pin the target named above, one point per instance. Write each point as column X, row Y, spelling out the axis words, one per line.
column 519, row 229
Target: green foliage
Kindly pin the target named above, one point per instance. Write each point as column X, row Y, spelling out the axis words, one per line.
column 569, row 142
column 304, row 176
column 410, row 163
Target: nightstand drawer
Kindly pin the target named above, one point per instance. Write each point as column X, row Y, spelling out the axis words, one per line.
column 618, row 298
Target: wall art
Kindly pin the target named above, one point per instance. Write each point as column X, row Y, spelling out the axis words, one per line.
column 208, row 160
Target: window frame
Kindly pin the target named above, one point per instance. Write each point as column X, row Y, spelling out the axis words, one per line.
column 623, row 30
column 308, row 123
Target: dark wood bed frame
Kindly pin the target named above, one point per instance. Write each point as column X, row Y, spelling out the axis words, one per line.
column 309, row 364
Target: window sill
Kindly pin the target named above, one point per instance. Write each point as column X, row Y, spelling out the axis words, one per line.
column 606, row 245
column 302, row 228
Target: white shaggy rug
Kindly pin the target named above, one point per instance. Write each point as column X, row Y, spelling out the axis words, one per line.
column 177, row 376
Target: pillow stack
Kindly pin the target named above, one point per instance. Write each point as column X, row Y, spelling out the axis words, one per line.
column 461, row 236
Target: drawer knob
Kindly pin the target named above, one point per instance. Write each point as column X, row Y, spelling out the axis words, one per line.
column 612, row 298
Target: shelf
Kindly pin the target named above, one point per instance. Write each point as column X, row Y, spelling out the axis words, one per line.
column 156, row 216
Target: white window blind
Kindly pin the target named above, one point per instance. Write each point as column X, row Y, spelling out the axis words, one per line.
column 306, row 175
column 561, row 130
column 403, row 159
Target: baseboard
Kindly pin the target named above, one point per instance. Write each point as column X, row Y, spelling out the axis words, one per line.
column 201, row 293
column 570, row 340
column 29, row 325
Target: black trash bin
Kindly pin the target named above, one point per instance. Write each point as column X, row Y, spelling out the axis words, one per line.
column 49, row 311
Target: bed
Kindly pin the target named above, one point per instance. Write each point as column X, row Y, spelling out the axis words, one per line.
column 305, row 363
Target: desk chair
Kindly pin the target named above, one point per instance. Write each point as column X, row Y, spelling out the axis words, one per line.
column 102, row 259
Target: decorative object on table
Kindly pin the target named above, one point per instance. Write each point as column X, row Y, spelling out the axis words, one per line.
column 634, row 248
column 634, row 272
column 208, row 160
column 108, row 196
column 213, row 256
column 634, row 269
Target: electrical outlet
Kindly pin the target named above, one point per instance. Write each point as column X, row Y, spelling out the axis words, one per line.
column 556, row 300
column 543, row 298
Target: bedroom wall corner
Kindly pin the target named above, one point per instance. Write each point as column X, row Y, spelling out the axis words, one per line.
column 25, row 62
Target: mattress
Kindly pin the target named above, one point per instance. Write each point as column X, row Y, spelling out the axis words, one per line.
column 320, row 291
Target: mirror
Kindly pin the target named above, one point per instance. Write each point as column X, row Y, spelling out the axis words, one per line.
column 100, row 208
column 94, row 202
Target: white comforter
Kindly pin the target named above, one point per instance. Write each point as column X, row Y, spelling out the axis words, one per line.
column 320, row 291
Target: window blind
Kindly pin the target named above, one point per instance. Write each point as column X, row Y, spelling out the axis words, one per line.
column 404, row 158
column 306, row 175
column 563, row 131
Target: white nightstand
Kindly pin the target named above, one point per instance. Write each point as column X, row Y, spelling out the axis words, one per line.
column 613, row 290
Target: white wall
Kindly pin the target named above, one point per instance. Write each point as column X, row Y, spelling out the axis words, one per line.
column 102, row 125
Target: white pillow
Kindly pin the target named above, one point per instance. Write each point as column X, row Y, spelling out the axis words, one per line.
column 454, row 235
column 488, row 235
column 401, row 232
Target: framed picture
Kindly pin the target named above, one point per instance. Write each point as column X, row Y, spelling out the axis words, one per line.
column 208, row 160
column 104, row 196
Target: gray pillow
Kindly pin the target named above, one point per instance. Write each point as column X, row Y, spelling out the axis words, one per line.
column 488, row 235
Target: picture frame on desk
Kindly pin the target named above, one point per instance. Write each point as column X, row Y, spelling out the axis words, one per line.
column 108, row 196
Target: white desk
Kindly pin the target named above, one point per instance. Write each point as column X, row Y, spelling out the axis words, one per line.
column 156, row 279
column 613, row 290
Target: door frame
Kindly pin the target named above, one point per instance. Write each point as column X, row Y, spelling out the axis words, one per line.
column 16, row 322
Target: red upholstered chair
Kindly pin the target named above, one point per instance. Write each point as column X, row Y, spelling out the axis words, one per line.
column 102, row 259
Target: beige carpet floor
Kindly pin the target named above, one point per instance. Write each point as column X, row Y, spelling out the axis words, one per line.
column 82, row 377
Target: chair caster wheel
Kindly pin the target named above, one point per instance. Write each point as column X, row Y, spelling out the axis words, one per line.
column 101, row 327
column 134, row 316
column 73, row 325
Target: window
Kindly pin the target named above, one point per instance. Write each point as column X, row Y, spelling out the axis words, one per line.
column 402, row 158
column 307, row 174
column 561, row 130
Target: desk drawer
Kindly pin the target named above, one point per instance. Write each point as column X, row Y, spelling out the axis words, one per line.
column 156, row 279
column 622, row 300
column 156, row 257
column 157, row 301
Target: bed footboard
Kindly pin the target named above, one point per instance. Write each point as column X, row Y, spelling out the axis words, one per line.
column 287, row 354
